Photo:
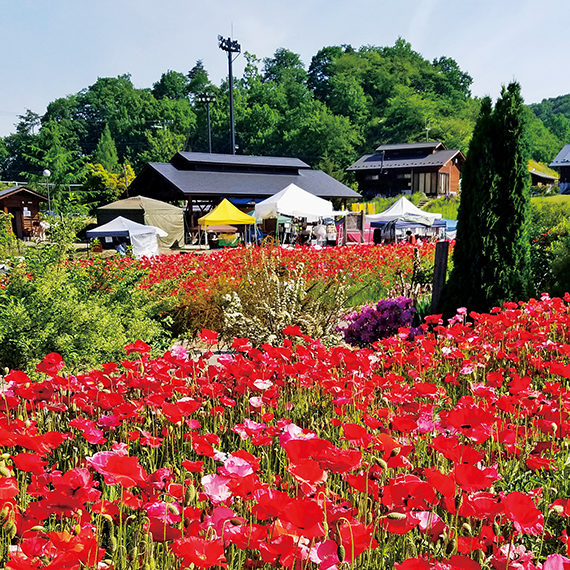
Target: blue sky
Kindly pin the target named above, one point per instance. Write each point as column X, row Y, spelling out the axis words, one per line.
column 53, row 48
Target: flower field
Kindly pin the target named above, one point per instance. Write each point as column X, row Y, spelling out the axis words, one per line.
column 447, row 451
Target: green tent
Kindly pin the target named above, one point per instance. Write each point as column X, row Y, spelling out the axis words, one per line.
column 150, row 212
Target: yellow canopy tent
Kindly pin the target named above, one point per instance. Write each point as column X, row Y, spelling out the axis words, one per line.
column 225, row 213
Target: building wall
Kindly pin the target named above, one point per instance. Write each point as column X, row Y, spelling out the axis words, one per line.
column 25, row 209
column 454, row 175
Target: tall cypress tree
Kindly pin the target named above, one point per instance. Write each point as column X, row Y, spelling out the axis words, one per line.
column 106, row 152
column 465, row 283
column 507, row 242
column 492, row 253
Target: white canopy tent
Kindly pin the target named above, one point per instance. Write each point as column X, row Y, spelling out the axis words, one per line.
column 404, row 210
column 144, row 239
column 295, row 202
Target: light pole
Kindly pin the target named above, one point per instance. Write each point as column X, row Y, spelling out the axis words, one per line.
column 47, row 174
column 231, row 46
column 207, row 99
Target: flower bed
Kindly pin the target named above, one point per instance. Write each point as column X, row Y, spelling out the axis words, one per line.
column 448, row 451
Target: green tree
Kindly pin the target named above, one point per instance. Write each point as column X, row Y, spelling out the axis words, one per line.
column 163, row 144
column 172, row 84
column 465, row 285
column 492, row 254
column 103, row 186
column 106, row 151
column 320, row 71
column 198, row 80
column 507, row 238
column 284, row 65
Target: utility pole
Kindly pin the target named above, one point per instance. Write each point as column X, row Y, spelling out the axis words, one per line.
column 230, row 46
column 428, row 129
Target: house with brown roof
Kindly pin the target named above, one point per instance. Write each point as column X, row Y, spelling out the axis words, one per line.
column 24, row 206
column 406, row 168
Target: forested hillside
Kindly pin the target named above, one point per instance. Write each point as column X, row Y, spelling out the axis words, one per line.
column 555, row 114
column 342, row 104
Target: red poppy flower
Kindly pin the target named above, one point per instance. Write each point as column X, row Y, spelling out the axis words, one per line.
column 522, row 512
column 208, row 336
column 51, row 364
column 8, row 488
column 29, row 462
column 199, row 552
column 138, row 346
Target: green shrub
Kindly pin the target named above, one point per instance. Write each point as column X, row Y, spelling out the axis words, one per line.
column 58, row 310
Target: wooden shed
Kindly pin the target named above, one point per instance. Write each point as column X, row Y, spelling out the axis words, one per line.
column 24, row 205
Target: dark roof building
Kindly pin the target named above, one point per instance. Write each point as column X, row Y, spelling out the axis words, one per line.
column 562, row 164
column 404, row 168
column 24, row 206
column 206, row 178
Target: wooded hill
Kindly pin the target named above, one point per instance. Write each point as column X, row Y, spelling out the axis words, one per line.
column 347, row 102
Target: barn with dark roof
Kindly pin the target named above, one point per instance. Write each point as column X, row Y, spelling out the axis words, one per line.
column 204, row 179
column 404, row 168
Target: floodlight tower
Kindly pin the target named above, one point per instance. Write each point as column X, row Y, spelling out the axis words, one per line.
column 207, row 99
column 230, row 46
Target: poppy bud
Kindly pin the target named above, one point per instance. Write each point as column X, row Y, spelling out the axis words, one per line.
column 397, row 516
column 111, row 549
column 496, row 529
column 5, row 471
column 5, row 456
column 451, row 547
column 10, row 529
column 467, row 528
column 4, row 513
column 189, row 495
column 341, row 553
column 558, row 509
column 38, row 528
column 395, row 451
column 382, row 463
column 553, row 427
column 458, row 500
column 173, row 509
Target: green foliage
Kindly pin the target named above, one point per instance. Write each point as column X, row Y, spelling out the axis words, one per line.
column 555, row 114
column 447, row 207
column 104, row 187
column 492, row 254
column 172, row 84
column 349, row 101
column 559, row 251
column 548, row 240
column 88, row 320
column 106, row 151
column 8, row 240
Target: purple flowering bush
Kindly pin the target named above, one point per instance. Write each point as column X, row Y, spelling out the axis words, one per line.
column 374, row 322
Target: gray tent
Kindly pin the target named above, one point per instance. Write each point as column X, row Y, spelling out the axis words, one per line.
column 149, row 212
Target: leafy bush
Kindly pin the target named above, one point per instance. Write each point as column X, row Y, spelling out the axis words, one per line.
column 56, row 309
column 549, row 245
column 375, row 322
column 8, row 240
